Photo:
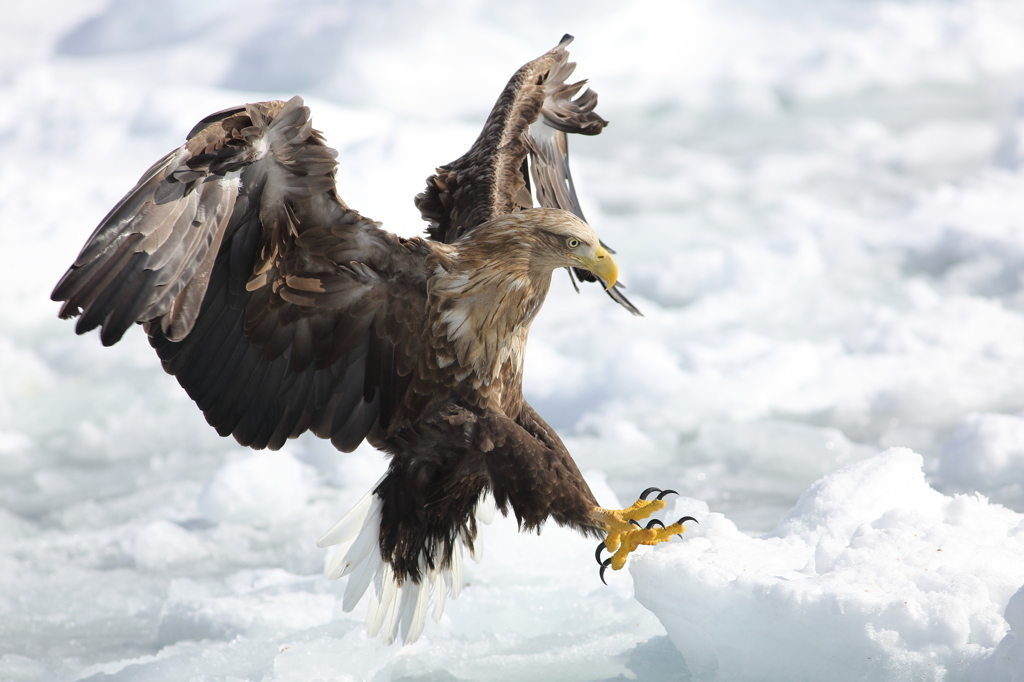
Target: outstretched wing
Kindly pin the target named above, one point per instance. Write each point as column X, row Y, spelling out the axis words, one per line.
column 522, row 153
column 278, row 308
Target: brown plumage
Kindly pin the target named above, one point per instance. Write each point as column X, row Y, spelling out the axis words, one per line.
column 280, row 310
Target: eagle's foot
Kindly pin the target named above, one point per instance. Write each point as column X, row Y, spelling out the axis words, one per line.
column 625, row 533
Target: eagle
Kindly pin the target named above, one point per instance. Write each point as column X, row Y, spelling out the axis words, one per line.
column 281, row 310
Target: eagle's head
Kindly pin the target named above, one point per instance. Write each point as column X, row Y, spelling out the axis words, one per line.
column 497, row 277
column 536, row 241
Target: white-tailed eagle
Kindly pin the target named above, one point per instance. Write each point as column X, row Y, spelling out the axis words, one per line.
column 281, row 310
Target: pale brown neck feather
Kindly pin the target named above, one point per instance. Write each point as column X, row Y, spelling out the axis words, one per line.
column 484, row 311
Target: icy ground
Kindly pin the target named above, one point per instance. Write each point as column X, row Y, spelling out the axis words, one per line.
column 817, row 204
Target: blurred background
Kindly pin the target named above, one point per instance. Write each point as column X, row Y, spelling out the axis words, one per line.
column 816, row 204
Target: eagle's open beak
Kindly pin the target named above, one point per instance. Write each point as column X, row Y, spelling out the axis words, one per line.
column 604, row 267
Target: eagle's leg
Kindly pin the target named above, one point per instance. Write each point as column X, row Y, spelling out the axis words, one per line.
column 625, row 534
column 531, row 471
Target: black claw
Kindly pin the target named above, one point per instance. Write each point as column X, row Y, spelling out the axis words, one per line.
column 663, row 493
column 635, row 523
column 604, row 566
column 644, row 494
column 684, row 520
column 650, row 524
column 597, row 554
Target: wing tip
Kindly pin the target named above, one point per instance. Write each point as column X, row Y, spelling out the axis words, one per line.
column 616, row 295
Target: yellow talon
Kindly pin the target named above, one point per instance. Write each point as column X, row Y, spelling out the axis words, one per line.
column 625, row 534
column 632, row 539
column 618, row 520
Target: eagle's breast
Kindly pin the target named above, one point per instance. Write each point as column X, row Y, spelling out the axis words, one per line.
column 479, row 322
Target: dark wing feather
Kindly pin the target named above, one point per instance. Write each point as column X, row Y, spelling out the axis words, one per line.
column 263, row 293
column 523, row 139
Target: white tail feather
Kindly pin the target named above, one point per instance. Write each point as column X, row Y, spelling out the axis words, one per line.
column 455, row 574
column 350, row 523
column 393, row 609
column 477, row 553
column 440, row 593
column 380, row 602
column 390, row 622
column 419, row 613
column 366, row 541
column 359, row 580
column 372, row 611
column 407, row 608
column 485, row 509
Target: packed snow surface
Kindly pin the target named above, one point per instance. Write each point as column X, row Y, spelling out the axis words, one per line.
column 873, row 575
column 817, row 205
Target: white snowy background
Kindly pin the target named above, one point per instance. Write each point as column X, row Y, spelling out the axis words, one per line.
column 818, row 205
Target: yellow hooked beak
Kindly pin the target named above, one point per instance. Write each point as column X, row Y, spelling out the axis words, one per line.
column 604, row 267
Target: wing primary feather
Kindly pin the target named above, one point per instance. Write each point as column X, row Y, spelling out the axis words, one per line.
column 79, row 288
column 124, row 269
column 111, row 229
column 358, row 425
column 126, row 311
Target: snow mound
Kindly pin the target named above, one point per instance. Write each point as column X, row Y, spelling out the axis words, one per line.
column 872, row 575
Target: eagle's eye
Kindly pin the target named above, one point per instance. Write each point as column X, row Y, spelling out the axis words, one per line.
column 572, row 242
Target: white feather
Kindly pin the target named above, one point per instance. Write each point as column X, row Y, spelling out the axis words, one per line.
column 455, row 582
column 372, row 611
column 385, row 587
column 456, row 318
column 388, row 597
column 407, row 609
column 477, row 552
column 440, row 593
column 389, row 607
column 349, row 525
column 419, row 614
column 366, row 541
column 394, row 610
column 360, row 579
column 485, row 509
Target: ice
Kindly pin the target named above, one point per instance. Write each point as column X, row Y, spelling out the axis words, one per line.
column 872, row 575
column 817, row 205
column 261, row 488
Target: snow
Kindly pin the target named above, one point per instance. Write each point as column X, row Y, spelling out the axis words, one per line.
column 817, row 206
column 872, row 575
column 260, row 488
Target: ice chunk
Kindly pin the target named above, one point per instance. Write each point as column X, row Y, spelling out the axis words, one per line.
column 872, row 575
column 1006, row 664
